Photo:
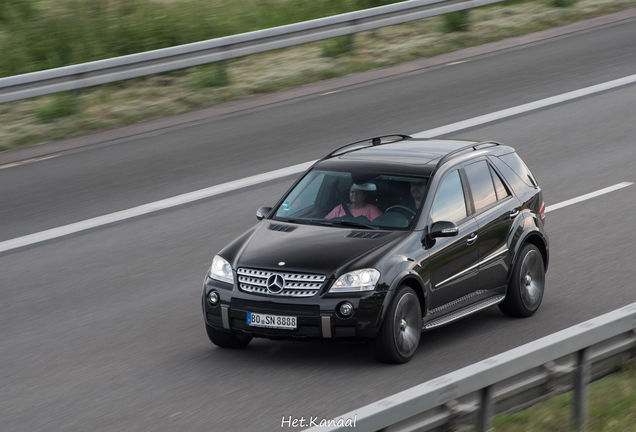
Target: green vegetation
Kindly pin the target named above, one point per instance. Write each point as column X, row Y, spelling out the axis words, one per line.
column 62, row 105
column 563, row 3
column 339, row 46
column 44, row 34
column 457, row 21
column 612, row 408
column 214, row 75
column 39, row 34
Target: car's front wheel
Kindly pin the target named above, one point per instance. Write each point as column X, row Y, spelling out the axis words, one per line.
column 399, row 335
column 526, row 285
column 226, row 339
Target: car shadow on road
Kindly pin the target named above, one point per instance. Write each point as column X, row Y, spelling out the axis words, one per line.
column 476, row 329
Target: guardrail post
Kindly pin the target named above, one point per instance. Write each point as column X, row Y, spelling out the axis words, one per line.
column 486, row 409
column 580, row 399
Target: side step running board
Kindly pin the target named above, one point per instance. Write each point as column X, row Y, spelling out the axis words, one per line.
column 464, row 312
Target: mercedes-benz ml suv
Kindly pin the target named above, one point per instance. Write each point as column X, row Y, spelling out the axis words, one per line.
column 383, row 239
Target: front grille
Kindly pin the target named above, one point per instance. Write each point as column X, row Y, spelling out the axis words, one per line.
column 296, row 284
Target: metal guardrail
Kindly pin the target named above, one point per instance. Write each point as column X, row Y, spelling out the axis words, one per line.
column 151, row 62
column 518, row 378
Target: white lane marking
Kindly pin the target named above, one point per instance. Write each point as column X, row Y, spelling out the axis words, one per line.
column 195, row 196
column 498, row 115
column 273, row 175
column 587, row 196
column 150, row 208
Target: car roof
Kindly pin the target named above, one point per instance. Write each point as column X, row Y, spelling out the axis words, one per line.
column 412, row 156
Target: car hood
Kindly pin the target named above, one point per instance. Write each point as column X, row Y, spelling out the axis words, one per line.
column 310, row 248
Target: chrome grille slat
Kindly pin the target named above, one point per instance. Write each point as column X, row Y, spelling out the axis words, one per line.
column 296, row 284
column 253, row 281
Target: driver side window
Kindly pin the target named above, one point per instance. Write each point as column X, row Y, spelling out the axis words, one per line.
column 450, row 204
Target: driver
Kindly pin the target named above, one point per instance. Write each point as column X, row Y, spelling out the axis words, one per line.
column 418, row 189
column 414, row 200
column 358, row 206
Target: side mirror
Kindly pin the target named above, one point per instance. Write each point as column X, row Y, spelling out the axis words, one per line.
column 443, row 229
column 262, row 212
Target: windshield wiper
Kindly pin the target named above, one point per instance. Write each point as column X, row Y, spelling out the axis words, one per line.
column 356, row 224
column 329, row 223
column 307, row 221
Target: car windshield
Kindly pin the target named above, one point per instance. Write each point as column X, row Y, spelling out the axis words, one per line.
column 354, row 199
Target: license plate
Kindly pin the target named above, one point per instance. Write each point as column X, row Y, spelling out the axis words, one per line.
column 271, row 321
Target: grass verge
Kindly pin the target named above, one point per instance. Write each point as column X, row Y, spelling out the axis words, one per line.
column 51, row 118
column 63, row 32
column 612, row 408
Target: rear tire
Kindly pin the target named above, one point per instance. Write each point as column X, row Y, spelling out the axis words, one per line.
column 526, row 285
column 226, row 339
column 400, row 332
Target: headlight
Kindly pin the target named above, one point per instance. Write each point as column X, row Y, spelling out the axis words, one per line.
column 221, row 270
column 359, row 280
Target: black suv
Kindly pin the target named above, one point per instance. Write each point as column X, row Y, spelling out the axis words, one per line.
column 382, row 239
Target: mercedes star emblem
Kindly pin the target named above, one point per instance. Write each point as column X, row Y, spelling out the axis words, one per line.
column 275, row 283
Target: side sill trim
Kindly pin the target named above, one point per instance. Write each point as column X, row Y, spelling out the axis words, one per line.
column 456, row 301
column 464, row 312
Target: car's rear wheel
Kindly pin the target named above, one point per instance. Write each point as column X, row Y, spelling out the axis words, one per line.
column 226, row 339
column 399, row 335
column 526, row 285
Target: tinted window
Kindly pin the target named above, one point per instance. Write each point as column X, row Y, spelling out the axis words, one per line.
column 481, row 184
column 449, row 203
column 520, row 168
column 500, row 188
column 325, row 198
column 514, row 181
column 310, row 192
column 303, row 196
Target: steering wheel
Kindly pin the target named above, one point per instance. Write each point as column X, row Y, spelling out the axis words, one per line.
column 402, row 210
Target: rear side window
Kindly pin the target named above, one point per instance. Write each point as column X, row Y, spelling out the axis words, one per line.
column 518, row 185
column 481, row 184
column 450, row 204
column 520, row 168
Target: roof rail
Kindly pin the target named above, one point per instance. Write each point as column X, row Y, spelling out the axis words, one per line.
column 448, row 156
column 375, row 141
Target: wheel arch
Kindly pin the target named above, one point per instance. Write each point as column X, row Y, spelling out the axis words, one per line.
column 419, row 290
column 538, row 241
column 513, row 305
column 413, row 281
column 535, row 238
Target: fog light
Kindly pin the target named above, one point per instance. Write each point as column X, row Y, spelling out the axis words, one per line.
column 346, row 309
column 213, row 298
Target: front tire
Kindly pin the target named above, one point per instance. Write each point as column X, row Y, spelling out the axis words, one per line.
column 399, row 335
column 227, row 340
column 526, row 285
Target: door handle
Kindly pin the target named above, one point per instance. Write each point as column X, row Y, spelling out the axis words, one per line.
column 471, row 239
column 514, row 213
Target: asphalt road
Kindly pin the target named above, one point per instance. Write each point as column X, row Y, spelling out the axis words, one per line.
column 102, row 330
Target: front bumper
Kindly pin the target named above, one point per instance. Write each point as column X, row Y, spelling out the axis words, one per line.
column 317, row 316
